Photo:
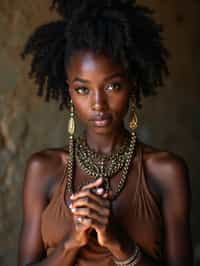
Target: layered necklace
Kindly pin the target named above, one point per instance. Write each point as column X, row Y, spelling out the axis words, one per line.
column 97, row 165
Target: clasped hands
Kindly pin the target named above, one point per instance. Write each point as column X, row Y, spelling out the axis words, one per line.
column 91, row 209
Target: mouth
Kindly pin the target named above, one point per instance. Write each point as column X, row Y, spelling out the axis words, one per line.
column 101, row 121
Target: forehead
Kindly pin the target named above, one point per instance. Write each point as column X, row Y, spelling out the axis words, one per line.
column 86, row 63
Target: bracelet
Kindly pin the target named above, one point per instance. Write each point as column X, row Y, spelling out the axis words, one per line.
column 133, row 260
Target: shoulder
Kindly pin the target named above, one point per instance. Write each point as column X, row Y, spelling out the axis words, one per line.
column 169, row 173
column 44, row 168
column 166, row 170
column 46, row 160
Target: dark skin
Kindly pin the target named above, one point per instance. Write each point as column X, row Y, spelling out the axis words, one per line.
column 100, row 86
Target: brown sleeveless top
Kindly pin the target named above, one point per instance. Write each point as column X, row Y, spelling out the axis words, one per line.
column 135, row 209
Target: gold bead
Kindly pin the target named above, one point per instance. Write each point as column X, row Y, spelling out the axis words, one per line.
column 133, row 124
column 133, row 121
column 71, row 126
column 71, row 122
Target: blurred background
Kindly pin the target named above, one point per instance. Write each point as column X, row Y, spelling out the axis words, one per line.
column 169, row 121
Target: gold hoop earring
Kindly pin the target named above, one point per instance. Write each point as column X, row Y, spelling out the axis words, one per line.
column 133, row 121
column 71, row 123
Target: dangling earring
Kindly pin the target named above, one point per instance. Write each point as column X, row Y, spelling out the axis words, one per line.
column 133, row 121
column 70, row 164
column 71, row 131
column 71, row 123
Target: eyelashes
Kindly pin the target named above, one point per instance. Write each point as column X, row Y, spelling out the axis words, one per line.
column 114, row 87
column 82, row 90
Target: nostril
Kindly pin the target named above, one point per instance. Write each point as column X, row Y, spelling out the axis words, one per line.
column 100, row 108
column 97, row 107
column 98, row 101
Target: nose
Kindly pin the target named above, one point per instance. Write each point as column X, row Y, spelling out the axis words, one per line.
column 99, row 101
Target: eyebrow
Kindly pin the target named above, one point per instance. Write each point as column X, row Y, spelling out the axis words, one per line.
column 120, row 74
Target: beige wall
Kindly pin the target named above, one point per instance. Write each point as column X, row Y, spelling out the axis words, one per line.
column 27, row 124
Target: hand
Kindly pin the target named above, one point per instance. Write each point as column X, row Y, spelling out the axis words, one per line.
column 91, row 206
column 79, row 234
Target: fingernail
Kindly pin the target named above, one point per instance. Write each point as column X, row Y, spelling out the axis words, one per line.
column 72, row 196
column 70, row 206
column 100, row 190
column 73, row 209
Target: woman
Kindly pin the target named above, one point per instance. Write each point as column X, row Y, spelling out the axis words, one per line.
column 109, row 199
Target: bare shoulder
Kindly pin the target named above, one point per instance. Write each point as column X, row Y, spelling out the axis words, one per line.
column 47, row 160
column 165, row 170
column 44, row 168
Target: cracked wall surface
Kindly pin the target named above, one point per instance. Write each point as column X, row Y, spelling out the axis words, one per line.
column 27, row 124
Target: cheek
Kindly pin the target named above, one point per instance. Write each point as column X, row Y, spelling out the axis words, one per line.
column 81, row 106
column 120, row 104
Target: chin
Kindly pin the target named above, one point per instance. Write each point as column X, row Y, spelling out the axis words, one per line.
column 103, row 130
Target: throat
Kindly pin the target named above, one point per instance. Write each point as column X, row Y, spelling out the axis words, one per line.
column 106, row 144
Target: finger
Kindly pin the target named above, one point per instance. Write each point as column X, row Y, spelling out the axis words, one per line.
column 101, row 192
column 79, row 222
column 92, row 214
column 84, row 221
column 98, row 226
column 91, row 224
column 91, row 203
column 88, row 196
column 105, row 195
column 94, row 206
column 108, row 195
column 94, row 184
column 98, row 191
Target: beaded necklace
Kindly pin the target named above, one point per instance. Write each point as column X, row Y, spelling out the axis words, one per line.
column 99, row 165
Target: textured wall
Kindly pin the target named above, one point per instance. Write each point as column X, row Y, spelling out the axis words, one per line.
column 27, row 124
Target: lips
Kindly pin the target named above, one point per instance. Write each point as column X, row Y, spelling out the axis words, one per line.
column 101, row 120
column 101, row 123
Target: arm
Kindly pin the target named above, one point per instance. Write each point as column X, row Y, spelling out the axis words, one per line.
column 176, row 201
column 171, row 176
column 170, row 173
column 31, row 248
column 92, row 206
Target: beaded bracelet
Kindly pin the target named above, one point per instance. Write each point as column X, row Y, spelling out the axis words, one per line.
column 133, row 260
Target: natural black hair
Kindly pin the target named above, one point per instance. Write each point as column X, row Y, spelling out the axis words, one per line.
column 126, row 32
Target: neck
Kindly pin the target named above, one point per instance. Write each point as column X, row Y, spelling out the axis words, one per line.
column 106, row 143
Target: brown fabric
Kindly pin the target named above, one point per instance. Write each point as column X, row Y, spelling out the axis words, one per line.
column 135, row 209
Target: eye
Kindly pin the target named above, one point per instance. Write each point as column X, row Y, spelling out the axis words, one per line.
column 113, row 87
column 82, row 90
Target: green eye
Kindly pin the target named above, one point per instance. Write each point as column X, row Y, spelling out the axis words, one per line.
column 82, row 90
